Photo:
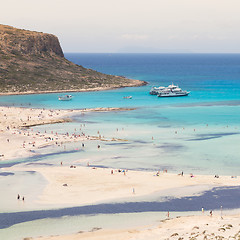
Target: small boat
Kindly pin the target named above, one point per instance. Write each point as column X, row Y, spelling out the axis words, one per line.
column 128, row 97
column 65, row 98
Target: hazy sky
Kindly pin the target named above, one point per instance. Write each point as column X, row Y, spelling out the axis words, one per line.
column 131, row 25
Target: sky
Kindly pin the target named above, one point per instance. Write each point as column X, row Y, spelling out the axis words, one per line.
column 135, row 26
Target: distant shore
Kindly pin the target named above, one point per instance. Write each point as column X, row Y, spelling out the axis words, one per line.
column 134, row 83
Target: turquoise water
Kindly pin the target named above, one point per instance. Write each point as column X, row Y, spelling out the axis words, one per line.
column 210, row 78
column 195, row 134
column 198, row 133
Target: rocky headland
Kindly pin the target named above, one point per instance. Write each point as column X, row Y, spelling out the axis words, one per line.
column 33, row 62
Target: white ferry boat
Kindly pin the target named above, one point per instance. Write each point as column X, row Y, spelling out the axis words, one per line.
column 172, row 91
column 65, row 98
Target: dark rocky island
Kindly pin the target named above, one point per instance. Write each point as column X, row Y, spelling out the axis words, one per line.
column 33, row 62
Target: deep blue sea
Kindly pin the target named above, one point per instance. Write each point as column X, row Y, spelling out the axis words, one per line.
column 210, row 78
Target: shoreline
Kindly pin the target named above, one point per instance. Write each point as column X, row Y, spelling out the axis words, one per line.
column 93, row 185
column 16, row 123
column 187, row 227
column 136, row 83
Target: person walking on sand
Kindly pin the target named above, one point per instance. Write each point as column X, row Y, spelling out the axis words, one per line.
column 23, row 198
column 18, row 197
column 211, row 213
column 202, row 210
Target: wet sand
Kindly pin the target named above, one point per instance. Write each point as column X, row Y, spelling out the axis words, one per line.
column 190, row 227
column 89, row 185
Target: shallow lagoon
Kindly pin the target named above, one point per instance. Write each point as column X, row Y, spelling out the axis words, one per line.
column 162, row 139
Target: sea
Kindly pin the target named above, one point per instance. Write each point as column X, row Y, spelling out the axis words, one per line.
column 195, row 134
column 198, row 133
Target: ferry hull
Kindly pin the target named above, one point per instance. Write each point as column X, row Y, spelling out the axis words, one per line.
column 173, row 95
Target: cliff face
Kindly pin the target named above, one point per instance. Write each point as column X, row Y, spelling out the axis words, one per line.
column 34, row 62
column 18, row 41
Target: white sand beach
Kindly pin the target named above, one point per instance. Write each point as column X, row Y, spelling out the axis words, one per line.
column 89, row 185
column 17, row 138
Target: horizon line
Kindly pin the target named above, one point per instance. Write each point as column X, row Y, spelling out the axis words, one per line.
column 152, row 53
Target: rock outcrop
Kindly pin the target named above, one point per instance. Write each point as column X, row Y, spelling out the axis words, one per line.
column 32, row 62
column 18, row 41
